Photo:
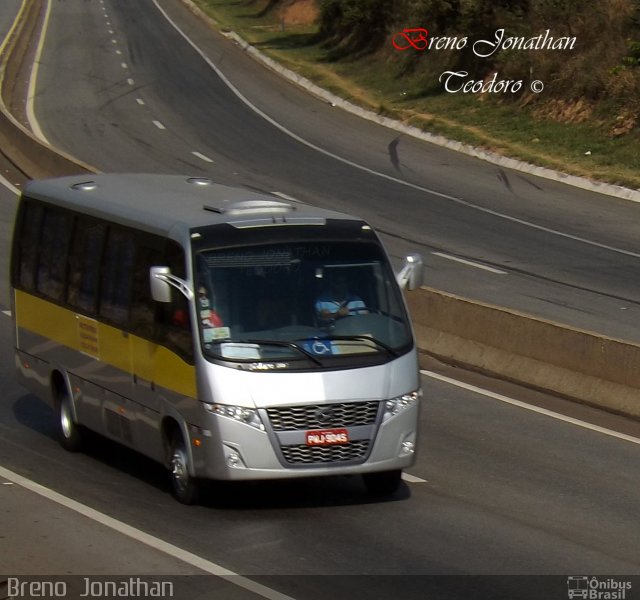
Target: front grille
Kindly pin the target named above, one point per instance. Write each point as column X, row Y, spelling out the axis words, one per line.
column 302, row 454
column 322, row 416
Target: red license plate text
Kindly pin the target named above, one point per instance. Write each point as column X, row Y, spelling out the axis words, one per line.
column 327, row 437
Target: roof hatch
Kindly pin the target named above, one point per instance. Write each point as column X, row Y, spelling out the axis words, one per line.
column 252, row 207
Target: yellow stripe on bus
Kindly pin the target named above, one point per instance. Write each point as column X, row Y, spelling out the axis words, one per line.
column 126, row 352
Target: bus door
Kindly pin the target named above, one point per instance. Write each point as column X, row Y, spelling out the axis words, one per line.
column 161, row 351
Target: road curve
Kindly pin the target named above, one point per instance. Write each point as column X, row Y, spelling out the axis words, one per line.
column 126, row 91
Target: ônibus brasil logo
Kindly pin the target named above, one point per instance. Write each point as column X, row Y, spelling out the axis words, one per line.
column 594, row 588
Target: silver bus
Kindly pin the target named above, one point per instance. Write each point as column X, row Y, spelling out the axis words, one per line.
column 224, row 333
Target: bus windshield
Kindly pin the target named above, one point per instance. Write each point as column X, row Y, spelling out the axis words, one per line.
column 313, row 302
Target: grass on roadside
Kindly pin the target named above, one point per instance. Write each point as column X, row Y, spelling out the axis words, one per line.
column 380, row 83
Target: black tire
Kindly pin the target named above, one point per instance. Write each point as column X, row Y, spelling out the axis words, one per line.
column 70, row 434
column 184, row 487
column 385, row 483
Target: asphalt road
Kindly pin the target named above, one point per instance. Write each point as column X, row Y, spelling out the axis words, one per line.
column 497, row 490
column 119, row 87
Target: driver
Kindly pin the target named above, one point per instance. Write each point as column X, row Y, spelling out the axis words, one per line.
column 338, row 301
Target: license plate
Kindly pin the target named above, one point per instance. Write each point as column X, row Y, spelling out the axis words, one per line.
column 327, row 437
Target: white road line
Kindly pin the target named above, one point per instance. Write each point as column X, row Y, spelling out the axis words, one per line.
column 202, row 157
column 286, row 197
column 140, row 536
column 532, row 408
column 114, row 41
column 119, row 52
column 412, row 478
column 140, row 101
column 158, row 125
column 124, row 65
column 469, row 263
column 6, row 183
column 6, row 312
column 130, row 81
column 351, row 163
column 31, row 92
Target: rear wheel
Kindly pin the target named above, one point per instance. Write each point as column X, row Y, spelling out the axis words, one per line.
column 385, row 483
column 69, row 432
column 184, row 486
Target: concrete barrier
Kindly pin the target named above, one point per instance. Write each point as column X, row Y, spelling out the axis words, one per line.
column 564, row 360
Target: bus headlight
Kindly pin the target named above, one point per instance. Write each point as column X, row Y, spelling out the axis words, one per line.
column 396, row 405
column 248, row 416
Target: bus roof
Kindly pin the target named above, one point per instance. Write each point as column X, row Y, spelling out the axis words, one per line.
column 163, row 204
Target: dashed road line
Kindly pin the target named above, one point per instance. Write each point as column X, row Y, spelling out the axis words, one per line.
column 412, row 478
column 286, row 197
column 202, row 157
column 6, row 312
column 158, row 125
column 470, row 263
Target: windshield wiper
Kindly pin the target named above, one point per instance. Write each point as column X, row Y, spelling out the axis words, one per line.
column 293, row 345
column 347, row 338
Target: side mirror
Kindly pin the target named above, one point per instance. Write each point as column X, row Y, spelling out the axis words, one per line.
column 160, row 287
column 410, row 276
column 161, row 281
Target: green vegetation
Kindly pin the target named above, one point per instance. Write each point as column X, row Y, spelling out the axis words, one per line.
column 584, row 122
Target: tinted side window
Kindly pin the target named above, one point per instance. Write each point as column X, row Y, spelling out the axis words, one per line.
column 52, row 261
column 84, row 264
column 115, row 290
column 26, row 244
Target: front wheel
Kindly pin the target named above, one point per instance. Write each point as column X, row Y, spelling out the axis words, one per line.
column 385, row 483
column 184, row 487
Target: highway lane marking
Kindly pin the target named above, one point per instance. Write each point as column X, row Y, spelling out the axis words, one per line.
column 140, row 101
column 532, row 408
column 412, row 478
column 145, row 538
column 130, row 81
column 391, row 178
column 469, row 263
column 158, row 124
column 31, row 90
column 124, row 65
column 6, row 183
column 6, row 312
column 202, row 157
column 286, row 197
